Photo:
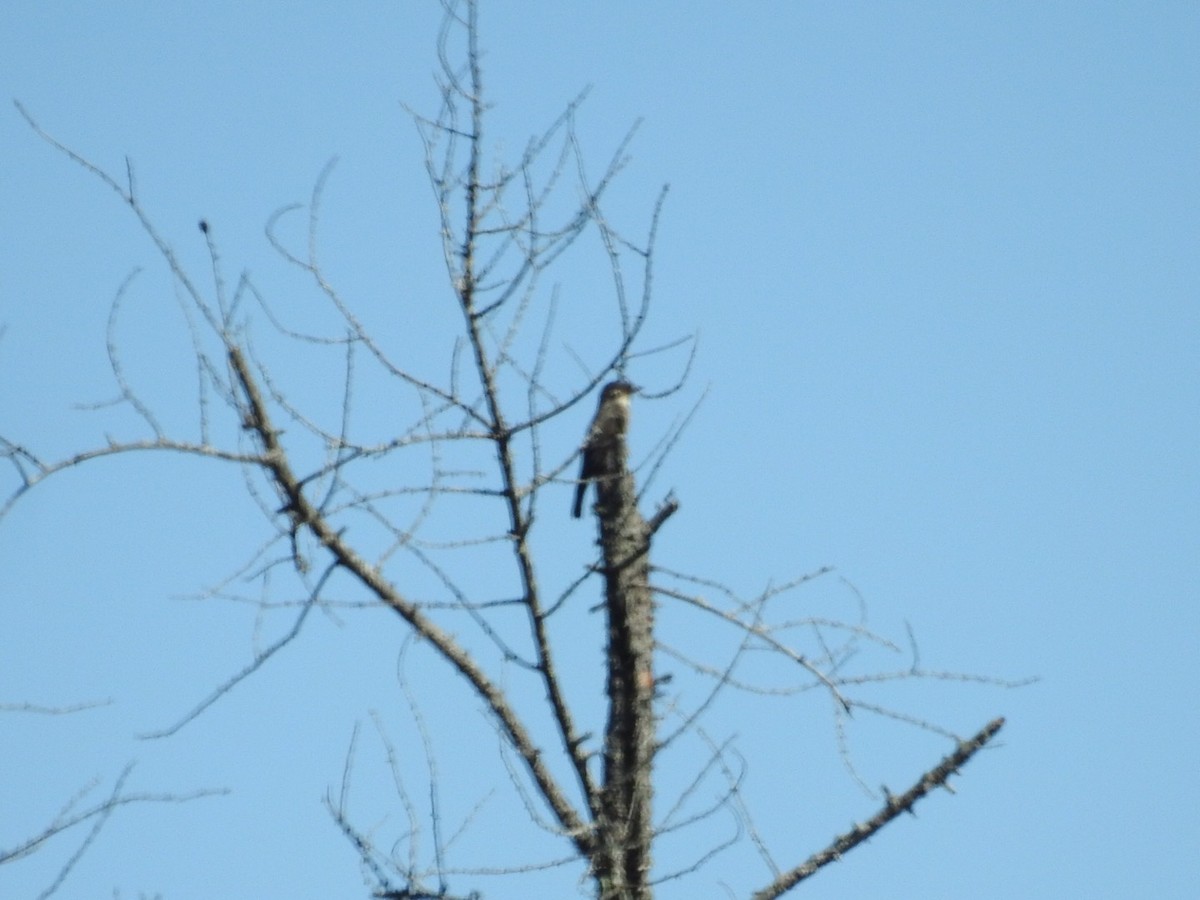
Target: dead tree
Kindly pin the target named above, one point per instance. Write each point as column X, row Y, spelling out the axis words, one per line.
column 490, row 425
column 625, row 830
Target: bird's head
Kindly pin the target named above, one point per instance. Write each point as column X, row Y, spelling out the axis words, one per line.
column 618, row 390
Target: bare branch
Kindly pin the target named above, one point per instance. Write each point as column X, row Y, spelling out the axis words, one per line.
column 904, row 803
column 257, row 663
column 98, row 814
column 53, row 710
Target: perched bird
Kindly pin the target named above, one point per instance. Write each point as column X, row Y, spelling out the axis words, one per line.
column 604, row 436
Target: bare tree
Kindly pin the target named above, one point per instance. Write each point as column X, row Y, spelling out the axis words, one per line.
column 494, row 436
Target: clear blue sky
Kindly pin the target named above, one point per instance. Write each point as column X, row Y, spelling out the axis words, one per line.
column 942, row 258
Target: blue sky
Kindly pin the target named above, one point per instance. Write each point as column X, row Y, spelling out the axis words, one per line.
column 942, row 261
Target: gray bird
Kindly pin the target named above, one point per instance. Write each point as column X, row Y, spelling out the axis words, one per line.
column 605, row 435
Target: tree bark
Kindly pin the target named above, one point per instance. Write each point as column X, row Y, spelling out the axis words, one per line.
column 623, row 858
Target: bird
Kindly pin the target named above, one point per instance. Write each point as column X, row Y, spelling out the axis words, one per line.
column 604, row 436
